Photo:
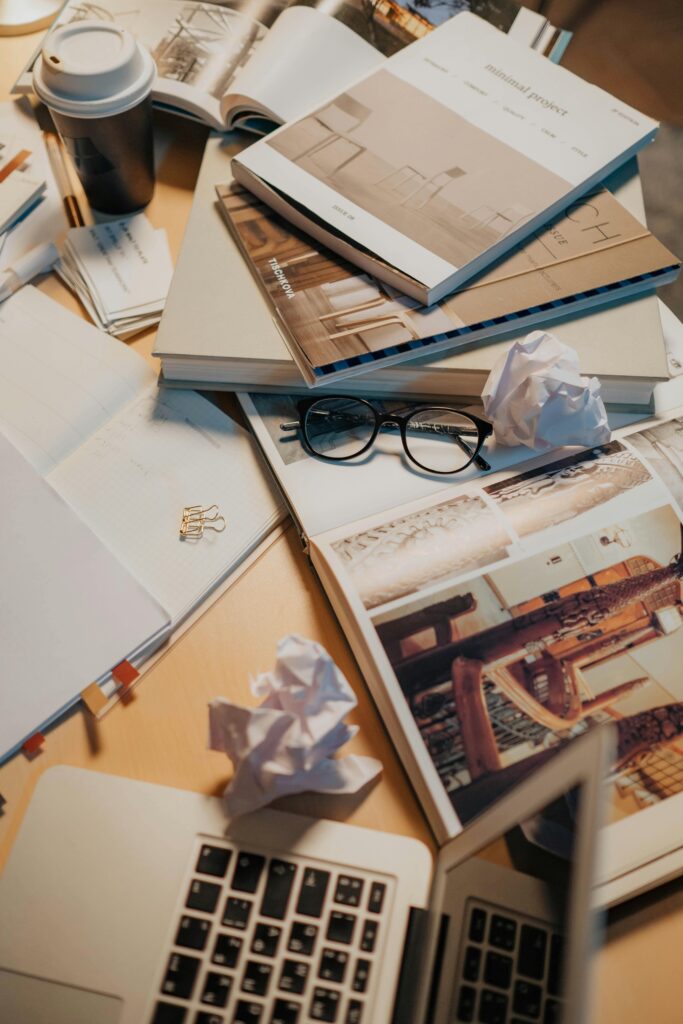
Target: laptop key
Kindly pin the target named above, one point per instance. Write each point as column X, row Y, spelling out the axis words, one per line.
column 236, row 913
column 527, row 999
column 266, row 939
column 202, row 1017
column 169, row 1013
column 502, row 932
column 247, row 1013
column 369, row 936
column 278, row 888
column 531, row 954
column 312, row 893
column 293, row 976
column 472, row 962
column 340, row 927
column 376, row 897
column 247, row 871
column 216, row 989
column 324, row 1005
column 213, row 860
column 333, row 965
column 497, row 969
column 360, row 976
column 302, row 938
column 349, row 891
column 285, row 1011
column 466, row 1004
column 256, row 978
column 354, row 1012
column 193, row 932
column 203, row 896
column 226, row 951
column 552, row 1013
column 478, row 919
column 493, row 1007
column 180, row 975
column 555, row 965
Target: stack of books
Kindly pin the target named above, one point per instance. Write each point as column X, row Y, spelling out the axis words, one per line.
column 402, row 233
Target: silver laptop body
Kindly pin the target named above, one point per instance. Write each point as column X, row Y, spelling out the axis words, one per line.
column 130, row 903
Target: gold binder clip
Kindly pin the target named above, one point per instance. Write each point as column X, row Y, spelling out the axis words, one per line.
column 196, row 519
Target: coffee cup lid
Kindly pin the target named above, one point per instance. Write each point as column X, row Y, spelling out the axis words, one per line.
column 92, row 69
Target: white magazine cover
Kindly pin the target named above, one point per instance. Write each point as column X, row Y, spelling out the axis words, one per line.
column 427, row 169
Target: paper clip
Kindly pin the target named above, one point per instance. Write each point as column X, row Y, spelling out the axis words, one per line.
column 197, row 518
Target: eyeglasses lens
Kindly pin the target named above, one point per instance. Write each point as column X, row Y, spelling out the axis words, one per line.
column 339, row 428
column 442, row 440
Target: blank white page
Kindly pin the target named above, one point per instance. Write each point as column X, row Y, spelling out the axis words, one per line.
column 131, row 481
column 60, row 377
column 69, row 611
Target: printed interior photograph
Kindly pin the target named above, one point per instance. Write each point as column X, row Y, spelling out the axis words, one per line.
column 500, row 669
column 546, row 497
column 444, row 197
column 389, row 26
column 409, row 553
column 662, row 446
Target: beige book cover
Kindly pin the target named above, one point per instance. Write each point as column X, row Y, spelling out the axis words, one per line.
column 340, row 322
column 239, row 345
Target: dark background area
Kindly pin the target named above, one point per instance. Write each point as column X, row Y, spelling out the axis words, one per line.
column 634, row 48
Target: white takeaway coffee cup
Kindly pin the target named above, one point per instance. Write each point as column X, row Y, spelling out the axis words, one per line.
column 96, row 80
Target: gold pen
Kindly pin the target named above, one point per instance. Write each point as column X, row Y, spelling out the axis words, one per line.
column 55, row 152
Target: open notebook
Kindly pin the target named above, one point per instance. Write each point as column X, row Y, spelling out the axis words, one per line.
column 85, row 413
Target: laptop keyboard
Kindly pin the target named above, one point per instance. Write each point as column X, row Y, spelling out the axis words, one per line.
column 509, row 969
column 261, row 939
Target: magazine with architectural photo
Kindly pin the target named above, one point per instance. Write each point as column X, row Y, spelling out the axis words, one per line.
column 233, row 64
column 339, row 323
column 498, row 618
column 428, row 169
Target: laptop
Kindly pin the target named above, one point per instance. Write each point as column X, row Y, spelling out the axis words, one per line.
column 130, row 903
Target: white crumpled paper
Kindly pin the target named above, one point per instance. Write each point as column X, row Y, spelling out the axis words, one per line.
column 535, row 395
column 285, row 745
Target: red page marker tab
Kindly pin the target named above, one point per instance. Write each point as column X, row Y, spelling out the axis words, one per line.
column 94, row 699
column 33, row 744
column 124, row 674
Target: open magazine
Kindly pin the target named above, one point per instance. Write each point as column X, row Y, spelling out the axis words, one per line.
column 256, row 65
column 507, row 613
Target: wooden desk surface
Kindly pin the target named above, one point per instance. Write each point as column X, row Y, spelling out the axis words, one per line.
column 160, row 736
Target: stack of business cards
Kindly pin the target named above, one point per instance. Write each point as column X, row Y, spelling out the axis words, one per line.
column 121, row 271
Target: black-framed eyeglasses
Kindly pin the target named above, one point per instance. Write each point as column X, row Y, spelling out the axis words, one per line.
column 436, row 438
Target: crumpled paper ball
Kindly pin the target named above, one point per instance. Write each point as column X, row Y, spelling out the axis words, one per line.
column 287, row 744
column 535, row 395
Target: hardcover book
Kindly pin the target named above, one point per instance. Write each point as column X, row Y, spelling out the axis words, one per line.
column 239, row 343
column 339, row 323
column 427, row 170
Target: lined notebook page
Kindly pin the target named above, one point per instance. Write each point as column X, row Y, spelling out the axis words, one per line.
column 60, row 378
column 69, row 611
column 131, row 480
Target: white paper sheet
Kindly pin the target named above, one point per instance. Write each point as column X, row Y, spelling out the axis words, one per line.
column 535, row 396
column 69, row 611
column 286, row 744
